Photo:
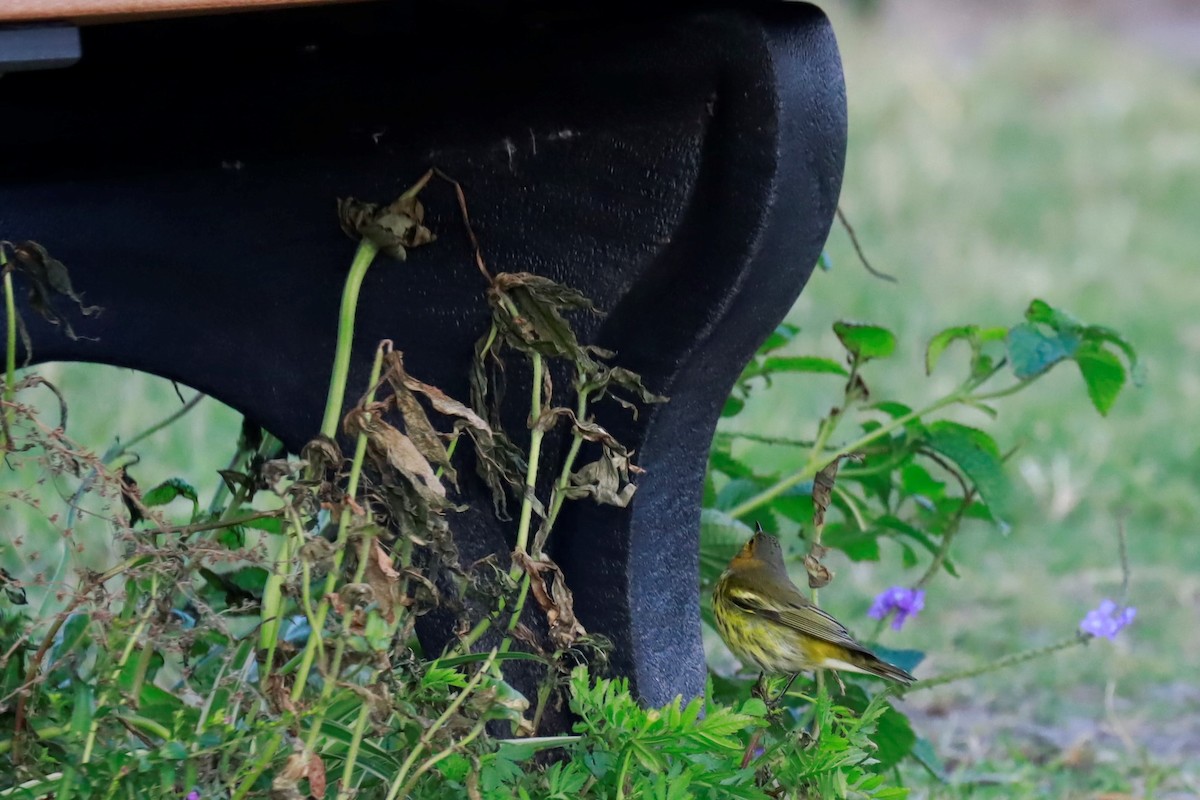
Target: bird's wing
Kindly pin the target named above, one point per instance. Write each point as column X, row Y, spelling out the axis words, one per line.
column 807, row 618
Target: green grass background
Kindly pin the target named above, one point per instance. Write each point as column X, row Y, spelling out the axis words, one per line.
column 1045, row 158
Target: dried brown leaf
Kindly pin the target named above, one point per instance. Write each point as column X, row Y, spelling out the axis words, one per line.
column 316, row 776
column 392, row 228
column 389, row 446
column 385, row 581
column 555, row 600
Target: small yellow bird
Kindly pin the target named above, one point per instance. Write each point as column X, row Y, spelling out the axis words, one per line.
column 767, row 621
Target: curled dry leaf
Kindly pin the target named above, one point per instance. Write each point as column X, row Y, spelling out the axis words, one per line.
column 47, row 278
column 322, row 454
column 392, row 228
column 389, row 447
column 819, row 575
column 385, row 581
column 555, row 599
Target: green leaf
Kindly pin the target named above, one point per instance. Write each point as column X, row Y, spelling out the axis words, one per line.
column 736, row 491
column 82, row 708
column 783, row 333
column 168, row 490
column 795, row 503
column 865, row 341
column 721, row 461
column 924, row 754
column 803, row 364
column 940, row 341
column 268, row 524
column 733, row 406
column 977, row 455
column 1100, row 334
column 1031, row 351
column 856, row 544
column 1103, row 373
column 721, row 536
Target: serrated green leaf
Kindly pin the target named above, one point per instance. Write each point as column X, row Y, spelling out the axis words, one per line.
column 865, row 341
column 803, row 364
column 1103, row 373
column 977, row 455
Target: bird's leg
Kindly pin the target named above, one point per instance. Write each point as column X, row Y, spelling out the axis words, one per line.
column 838, row 678
column 786, row 686
column 761, row 688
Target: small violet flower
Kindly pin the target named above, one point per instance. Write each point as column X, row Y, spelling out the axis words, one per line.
column 192, row 795
column 1104, row 620
column 905, row 602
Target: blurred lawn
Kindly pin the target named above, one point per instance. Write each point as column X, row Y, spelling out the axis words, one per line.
column 1056, row 162
column 1048, row 161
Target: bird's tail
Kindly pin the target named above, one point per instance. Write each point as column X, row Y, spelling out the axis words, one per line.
column 867, row 662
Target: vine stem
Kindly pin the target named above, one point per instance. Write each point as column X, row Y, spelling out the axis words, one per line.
column 1003, row 663
column 820, row 460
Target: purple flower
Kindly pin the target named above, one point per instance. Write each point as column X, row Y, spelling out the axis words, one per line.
column 1104, row 620
column 905, row 602
column 192, row 795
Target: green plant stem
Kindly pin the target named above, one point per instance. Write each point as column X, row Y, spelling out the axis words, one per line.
column 10, row 350
column 427, row 736
column 363, row 257
column 360, row 725
column 531, row 473
column 623, row 774
column 1002, row 663
column 432, row 761
column 360, row 453
column 819, row 460
column 558, row 495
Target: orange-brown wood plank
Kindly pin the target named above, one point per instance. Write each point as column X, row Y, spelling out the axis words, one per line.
column 84, row 11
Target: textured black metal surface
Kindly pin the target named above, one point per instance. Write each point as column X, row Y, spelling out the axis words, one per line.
column 683, row 170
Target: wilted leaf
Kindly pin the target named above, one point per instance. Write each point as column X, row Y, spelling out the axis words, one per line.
column 322, row 454
column 528, row 310
column 392, row 228
column 47, row 277
column 555, row 600
column 605, row 480
column 819, row 575
column 391, row 448
column 385, row 581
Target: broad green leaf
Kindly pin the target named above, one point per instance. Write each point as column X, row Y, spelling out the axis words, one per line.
column 733, row 406
column 977, row 455
column 795, row 503
column 856, row 544
column 865, row 341
column 736, row 491
column 721, row 536
column 268, row 524
column 721, row 461
column 1031, row 351
column 1041, row 312
column 168, row 490
column 803, row 364
column 1103, row 373
column 1100, row 334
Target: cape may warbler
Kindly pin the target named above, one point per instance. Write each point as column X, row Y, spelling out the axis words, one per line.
column 766, row 620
